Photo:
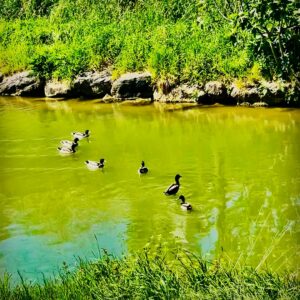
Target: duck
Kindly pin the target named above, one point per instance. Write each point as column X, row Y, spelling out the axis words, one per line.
column 173, row 188
column 143, row 169
column 94, row 165
column 184, row 205
column 67, row 150
column 66, row 143
column 81, row 135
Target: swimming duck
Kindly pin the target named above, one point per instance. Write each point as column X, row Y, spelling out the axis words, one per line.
column 94, row 165
column 185, row 205
column 143, row 169
column 67, row 150
column 69, row 144
column 81, row 135
column 173, row 188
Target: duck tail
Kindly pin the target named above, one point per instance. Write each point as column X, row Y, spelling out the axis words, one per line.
column 86, row 162
column 59, row 148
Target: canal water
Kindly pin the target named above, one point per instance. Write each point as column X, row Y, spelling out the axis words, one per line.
column 240, row 170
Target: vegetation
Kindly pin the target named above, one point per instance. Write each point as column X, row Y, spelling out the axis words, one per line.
column 179, row 40
column 156, row 274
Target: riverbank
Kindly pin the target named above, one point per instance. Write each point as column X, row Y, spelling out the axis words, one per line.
column 156, row 273
column 133, row 86
column 198, row 51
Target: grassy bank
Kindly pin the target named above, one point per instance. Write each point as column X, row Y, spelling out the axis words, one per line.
column 157, row 274
column 178, row 40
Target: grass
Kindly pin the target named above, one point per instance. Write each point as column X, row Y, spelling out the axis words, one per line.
column 165, row 37
column 156, row 273
column 177, row 40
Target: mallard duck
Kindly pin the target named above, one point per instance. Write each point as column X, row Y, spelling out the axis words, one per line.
column 184, row 205
column 94, row 165
column 81, row 135
column 66, row 143
column 173, row 188
column 67, row 150
column 143, row 169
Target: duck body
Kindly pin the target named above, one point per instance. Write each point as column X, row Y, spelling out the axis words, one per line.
column 94, row 165
column 67, row 150
column 173, row 188
column 143, row 169
column 81, row 135
column 69, row 144
column 184, row 205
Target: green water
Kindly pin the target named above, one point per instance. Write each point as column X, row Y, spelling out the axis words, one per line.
column 240, row 170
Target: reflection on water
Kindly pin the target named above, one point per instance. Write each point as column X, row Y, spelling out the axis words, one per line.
column 240, row 170
column 35, row 253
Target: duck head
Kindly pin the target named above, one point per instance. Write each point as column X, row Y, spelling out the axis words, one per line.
column 102, row 161
column 143, row 164
column 182, row 198
column 76, row 140
column 177, row 177
column 87, row 131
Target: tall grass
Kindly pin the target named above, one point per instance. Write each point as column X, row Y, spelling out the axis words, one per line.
column 173, row 39
column 156, row 273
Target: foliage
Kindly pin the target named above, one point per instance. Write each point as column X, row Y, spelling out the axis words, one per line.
column 275, row 28
column 184, row 40
column 59, row 64
column 11, row 9
column 156, row 273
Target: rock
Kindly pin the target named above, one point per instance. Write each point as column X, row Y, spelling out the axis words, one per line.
column 159, row 96
column 137, row 102
column 108, row 99
column 57, row 89
column 92, row 84
column 183, row 93
column 22, row 84
column 245, row 94
column 133, row 85
column 215, row 91
column 292, row 94
column 274, row 93
column 260, row 104
column 202, row 97
column 246, row 104
column 187, row 93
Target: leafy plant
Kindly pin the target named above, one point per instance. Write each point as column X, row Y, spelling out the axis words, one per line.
column 274, row 26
